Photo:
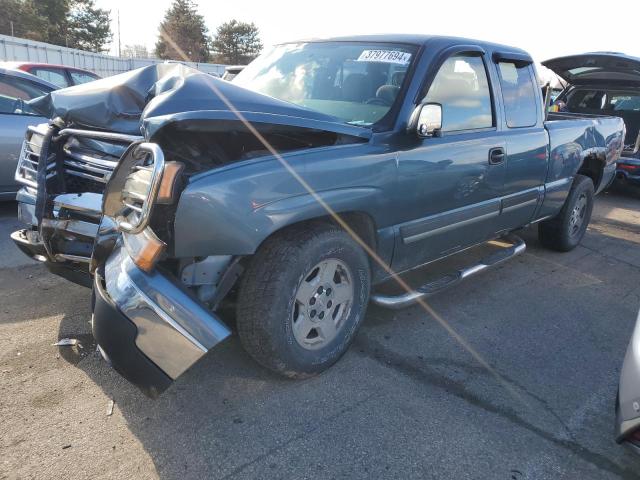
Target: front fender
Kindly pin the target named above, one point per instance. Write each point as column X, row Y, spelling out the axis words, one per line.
column 233, row 209
column 223, row 222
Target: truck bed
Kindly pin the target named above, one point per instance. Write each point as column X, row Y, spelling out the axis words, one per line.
column 574, row 137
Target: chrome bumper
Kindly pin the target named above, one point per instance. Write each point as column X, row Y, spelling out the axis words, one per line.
column 70, row 233
column 173, row 330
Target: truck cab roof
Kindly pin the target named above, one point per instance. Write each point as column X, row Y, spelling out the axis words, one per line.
column 436, row 41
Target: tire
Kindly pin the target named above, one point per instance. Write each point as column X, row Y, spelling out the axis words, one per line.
column 286, row 288
column 565, row 231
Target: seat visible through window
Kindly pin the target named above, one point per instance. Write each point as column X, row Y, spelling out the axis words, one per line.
column 462, row 88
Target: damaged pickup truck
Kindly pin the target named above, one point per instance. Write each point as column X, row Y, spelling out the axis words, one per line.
column 295, row 190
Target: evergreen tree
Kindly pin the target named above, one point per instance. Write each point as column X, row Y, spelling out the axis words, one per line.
column 237, row 42
column 89, row 27
column 21, row 19
column 55, row 13
column 183, row 34
column 73, row 23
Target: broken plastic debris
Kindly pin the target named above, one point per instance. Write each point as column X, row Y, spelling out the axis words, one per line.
column 110, row 408
column 65, row 342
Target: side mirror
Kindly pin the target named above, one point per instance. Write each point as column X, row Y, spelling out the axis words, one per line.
column 428, row 120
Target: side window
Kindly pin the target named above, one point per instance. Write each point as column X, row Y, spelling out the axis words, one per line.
column 57, row 77
column 14, row 92
column 82, row 77
column 462, row 88
column 518, row 93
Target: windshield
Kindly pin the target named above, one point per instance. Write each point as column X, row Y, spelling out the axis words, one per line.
column 355, row 82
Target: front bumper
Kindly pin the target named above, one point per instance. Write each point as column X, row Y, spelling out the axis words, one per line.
column 147, row 326
column 628, row 402
column 68, row 235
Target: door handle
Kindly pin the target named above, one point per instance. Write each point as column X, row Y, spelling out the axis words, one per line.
column 496, row 156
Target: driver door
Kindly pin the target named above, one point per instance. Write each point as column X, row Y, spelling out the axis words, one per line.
column 450, row 183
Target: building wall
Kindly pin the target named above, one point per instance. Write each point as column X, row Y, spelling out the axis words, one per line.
column 23, row 50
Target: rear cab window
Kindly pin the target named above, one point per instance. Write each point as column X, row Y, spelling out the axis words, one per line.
column 518, row 94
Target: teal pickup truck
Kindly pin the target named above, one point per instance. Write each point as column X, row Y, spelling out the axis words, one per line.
column 294, row 191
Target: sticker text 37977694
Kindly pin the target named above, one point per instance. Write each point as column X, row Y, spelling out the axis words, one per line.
column 385, row 56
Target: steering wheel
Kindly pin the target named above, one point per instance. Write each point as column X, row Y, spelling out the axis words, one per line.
column 378, row 101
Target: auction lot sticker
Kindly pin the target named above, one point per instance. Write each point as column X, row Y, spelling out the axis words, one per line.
column 386, row 56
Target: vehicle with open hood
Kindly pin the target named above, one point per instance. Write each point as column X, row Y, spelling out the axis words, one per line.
column 605, row 83
column 293, row 192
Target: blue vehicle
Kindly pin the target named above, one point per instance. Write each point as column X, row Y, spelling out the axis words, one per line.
column 293, row 192
column 605, row 83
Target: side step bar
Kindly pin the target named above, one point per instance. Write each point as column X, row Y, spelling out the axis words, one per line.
column 515, row 247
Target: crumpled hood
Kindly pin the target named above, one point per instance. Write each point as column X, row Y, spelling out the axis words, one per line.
column 147, row 99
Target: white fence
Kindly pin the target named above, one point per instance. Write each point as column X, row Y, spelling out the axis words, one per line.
column 20, row 49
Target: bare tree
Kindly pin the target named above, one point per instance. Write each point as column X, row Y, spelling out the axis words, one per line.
column 135, row 51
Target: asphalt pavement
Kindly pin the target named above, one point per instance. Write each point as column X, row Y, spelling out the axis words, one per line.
column 407, row 400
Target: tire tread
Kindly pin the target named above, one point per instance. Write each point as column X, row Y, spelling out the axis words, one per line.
column 277, row 255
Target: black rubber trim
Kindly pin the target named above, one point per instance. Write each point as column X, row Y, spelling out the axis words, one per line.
column 450, row 218
column 116, row 335
column 520, row 198
column 519, row 58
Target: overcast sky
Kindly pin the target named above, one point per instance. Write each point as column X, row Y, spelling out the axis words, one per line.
column 545, row 29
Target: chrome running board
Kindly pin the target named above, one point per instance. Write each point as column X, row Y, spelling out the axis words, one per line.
column 515, row 246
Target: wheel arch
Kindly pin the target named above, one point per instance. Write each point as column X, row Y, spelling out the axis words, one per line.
column 592, row 166
column 360, row 222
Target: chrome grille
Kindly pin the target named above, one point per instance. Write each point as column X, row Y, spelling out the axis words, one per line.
column 88, row 166
column 85, row 166
column 27, row 170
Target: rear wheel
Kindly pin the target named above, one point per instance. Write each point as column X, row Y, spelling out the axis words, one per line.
column 565, row 231
column 302, row 299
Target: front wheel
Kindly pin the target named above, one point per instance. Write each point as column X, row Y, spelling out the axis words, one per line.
column 565, row 231
column 302, row 299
